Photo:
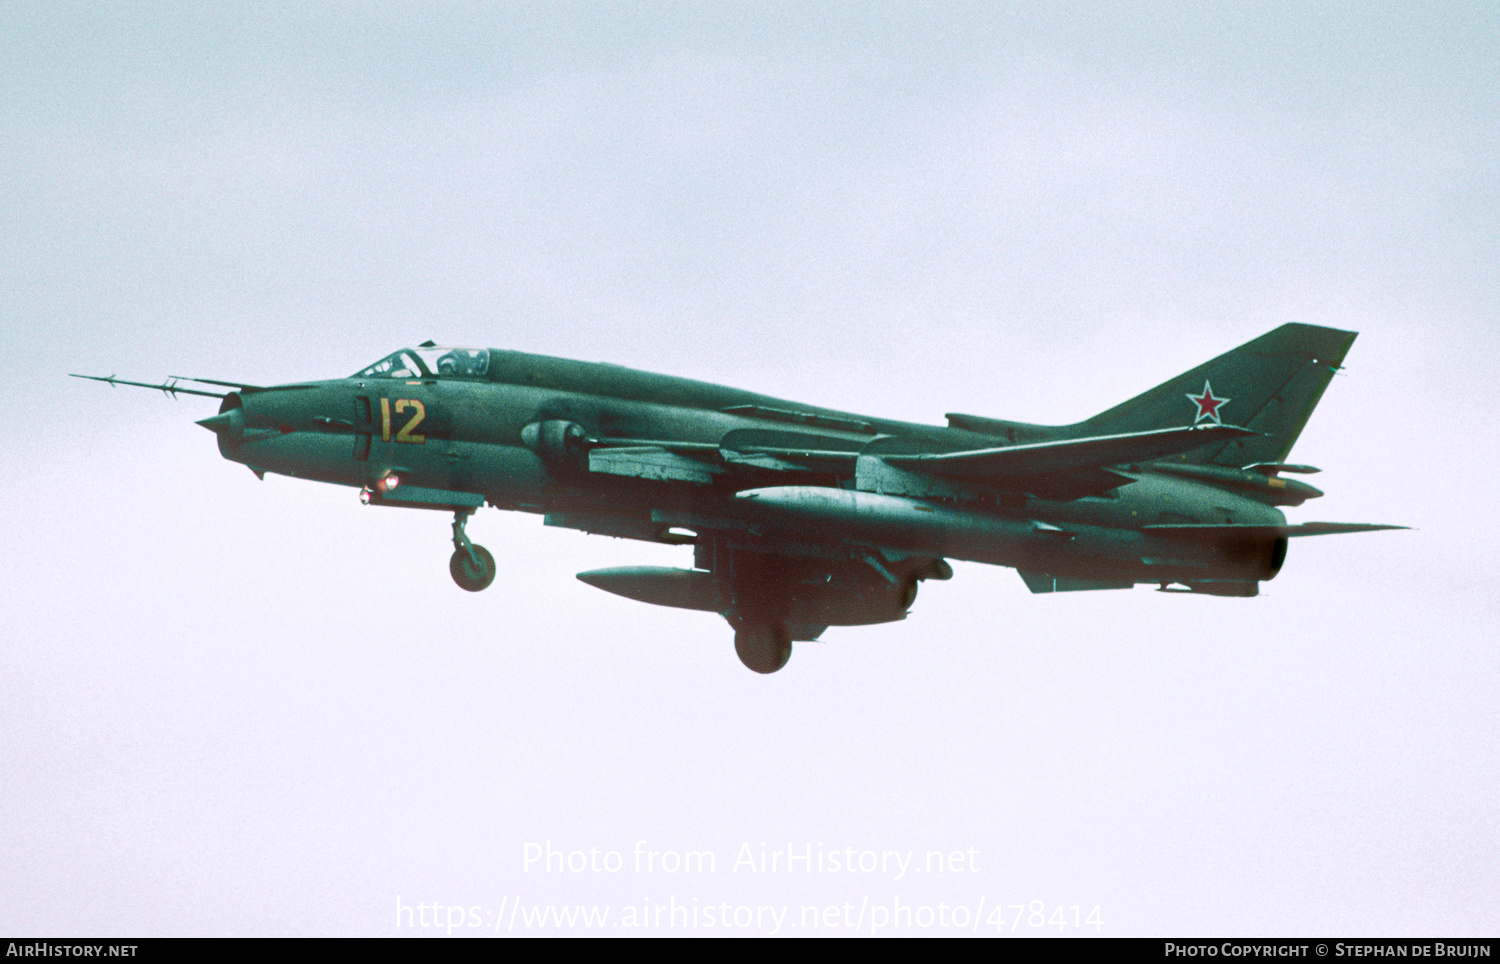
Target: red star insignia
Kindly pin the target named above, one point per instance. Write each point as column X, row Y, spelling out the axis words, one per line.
column 1208, row 405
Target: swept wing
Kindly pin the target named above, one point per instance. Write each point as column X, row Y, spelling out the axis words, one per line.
column 1045, row 458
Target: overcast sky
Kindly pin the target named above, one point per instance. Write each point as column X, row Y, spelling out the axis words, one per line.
column 244, row 707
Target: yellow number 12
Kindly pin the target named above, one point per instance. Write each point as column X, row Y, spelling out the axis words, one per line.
column 405, row 434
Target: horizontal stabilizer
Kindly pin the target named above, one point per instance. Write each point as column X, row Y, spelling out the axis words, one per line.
column 1305, row 529
column 1043, row 458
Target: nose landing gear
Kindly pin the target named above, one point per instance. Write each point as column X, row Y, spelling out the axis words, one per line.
column 471, row 566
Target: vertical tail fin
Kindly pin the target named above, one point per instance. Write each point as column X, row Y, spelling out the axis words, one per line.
column 1269, row 385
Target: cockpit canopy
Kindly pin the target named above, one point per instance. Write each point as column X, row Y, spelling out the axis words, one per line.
column 431, row 361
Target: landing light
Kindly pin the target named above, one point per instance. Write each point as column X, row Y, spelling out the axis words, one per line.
column 382, row 485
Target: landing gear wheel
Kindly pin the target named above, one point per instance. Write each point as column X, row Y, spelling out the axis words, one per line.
column 763, row 647
column 467, row 574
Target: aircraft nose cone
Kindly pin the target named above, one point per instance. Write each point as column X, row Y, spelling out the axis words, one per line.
column 229, row 426
column 218, row 424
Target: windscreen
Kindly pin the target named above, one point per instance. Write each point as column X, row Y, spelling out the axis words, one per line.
column 444, row 362
column 448, row 362
column 401, row 364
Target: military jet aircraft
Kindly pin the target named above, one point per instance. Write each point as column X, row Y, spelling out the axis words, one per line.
column 801, row 517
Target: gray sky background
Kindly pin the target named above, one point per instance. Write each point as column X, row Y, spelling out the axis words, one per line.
column 242, row 707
